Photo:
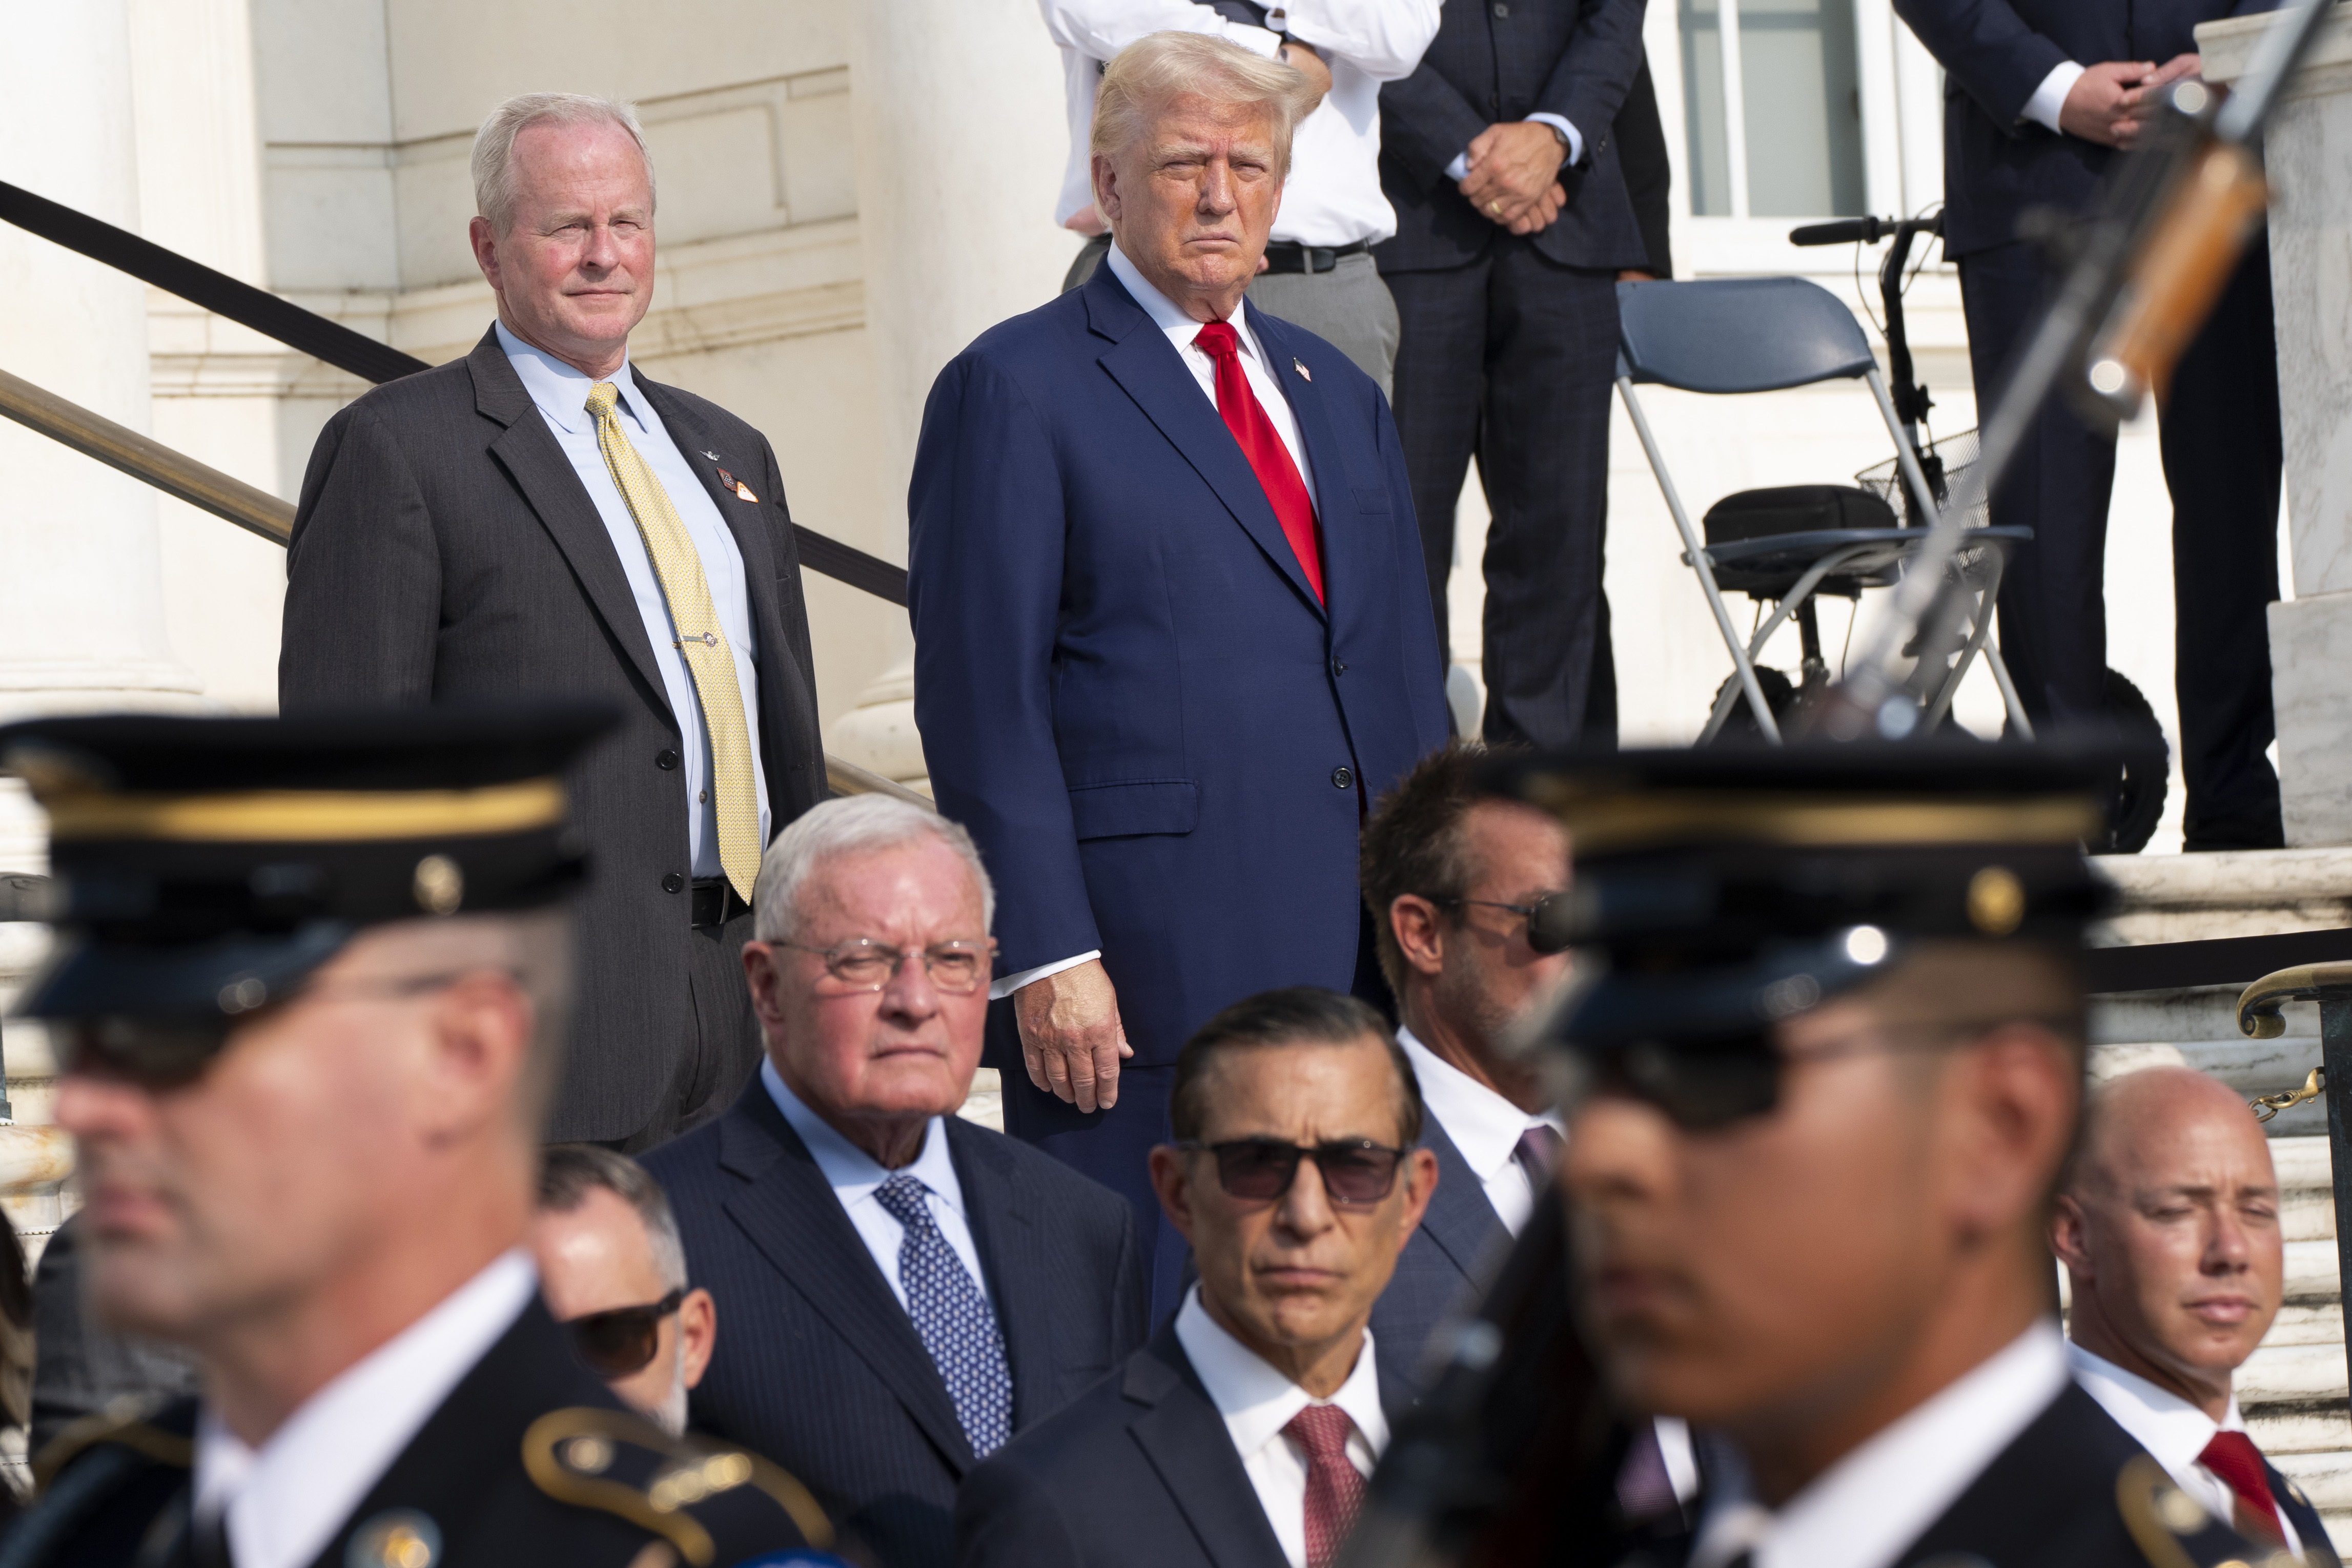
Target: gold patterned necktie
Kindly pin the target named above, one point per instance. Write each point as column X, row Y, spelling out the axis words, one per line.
column 700, row 639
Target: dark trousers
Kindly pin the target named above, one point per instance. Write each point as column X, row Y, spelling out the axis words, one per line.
column 1510, row 360
column 718, row 1057
column 2218, row 431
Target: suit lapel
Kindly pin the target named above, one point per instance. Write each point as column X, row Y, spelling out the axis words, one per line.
column 694, row 441
column 1459, row 1218
column 529, row 453
column 1147, row 368
column 788, row 1211
column 1012, row 1254
column 1181, row 1432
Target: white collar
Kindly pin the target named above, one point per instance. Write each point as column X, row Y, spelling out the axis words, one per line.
column 1255, row 1400
column 561, row 391
column 850, row 1171
column 287, row 1499
column 1169, row 316
column 1867, row 1507
column 2171, row 1430
column 1483, row 1124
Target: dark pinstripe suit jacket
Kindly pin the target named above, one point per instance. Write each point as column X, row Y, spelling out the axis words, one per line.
column 1459, row 1241
column 817, row 1366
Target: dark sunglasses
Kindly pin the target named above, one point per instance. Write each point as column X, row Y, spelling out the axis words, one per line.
column 621, row 1342
column 1549, row 918
column 1357, row 1171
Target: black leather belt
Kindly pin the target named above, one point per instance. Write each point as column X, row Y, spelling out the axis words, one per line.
column 716, row 902
column 1289, row 255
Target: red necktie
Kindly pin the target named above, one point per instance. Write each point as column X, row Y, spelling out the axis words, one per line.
column 1277, row 475
column 2234, row 1457
column 1335, row 1488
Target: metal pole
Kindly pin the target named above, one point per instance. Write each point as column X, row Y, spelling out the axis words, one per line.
column 2335, row 1056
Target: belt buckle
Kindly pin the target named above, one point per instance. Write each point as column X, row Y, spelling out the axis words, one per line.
column 1323, row 253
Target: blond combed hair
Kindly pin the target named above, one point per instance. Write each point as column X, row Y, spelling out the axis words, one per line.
column 1152, row 72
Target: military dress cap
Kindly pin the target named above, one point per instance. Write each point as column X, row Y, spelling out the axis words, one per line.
column 1725, row 889
column 203, row 865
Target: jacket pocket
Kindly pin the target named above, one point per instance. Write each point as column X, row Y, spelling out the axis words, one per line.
column 1136, row 806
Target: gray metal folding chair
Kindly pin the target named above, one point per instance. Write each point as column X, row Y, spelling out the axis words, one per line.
column 1791, row 543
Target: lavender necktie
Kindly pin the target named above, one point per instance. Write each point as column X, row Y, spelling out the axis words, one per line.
column 1537, row 1152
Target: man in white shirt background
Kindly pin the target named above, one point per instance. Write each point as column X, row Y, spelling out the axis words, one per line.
column 1241, row 1436
column 2169, row 1231
column 1318, row 271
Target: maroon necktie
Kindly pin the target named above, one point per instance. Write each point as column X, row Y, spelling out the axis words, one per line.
column 1277, row 475
column 1335, row 1488
column 2234, row 1457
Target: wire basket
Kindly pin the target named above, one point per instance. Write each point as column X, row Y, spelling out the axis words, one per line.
column 1944, row 461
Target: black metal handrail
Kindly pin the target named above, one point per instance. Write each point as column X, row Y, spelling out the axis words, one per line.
column 328, row 340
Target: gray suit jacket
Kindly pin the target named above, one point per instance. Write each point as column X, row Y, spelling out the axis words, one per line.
column 1459, row 1243
column 444, row 550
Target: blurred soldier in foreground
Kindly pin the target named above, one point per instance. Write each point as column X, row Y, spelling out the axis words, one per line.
column 613, row 1268
column 310, row 998
column 1826, row 1086
column 2168, row 1228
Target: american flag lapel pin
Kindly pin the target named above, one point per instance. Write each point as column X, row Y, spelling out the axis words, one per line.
column 1301, row 366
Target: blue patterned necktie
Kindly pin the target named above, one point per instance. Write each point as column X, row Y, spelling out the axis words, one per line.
column 952, row 1317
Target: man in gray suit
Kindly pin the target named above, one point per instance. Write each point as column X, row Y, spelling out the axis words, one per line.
column 535, row 519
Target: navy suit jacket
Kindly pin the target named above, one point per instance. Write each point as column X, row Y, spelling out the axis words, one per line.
column 1125, row 688
column 1140, row 1472
column 1575, row 59
column 1995, row 53
column 1451, row 1254
column 817, row 1366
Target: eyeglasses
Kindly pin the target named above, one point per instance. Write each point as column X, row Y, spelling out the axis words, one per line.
column 958, row 968
column 172, row 1051
column 620, row 1342
column 1703, row 1086
column 1357, row 1171
column 1546, row 914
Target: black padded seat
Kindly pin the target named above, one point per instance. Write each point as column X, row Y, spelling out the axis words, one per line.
column 1764, row 559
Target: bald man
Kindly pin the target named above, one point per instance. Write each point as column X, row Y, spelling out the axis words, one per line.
column 2169, row 1227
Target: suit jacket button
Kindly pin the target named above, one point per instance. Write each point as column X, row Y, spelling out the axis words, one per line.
column 666, row 760
column 673, row 883
column 1341, row 778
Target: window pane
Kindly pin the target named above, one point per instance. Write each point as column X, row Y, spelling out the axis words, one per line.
column 1803, row 108
column 1710, row 169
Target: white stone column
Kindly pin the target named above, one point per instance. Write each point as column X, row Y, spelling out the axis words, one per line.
column 960, row 134
column 2309, row 151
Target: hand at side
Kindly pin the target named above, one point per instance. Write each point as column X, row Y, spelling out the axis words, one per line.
column 1071, row 1040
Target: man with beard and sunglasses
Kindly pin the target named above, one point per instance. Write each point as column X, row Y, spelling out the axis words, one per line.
column 310, row 999
column 1240, row 1436
column 612, row 1269
column 1822, row 1090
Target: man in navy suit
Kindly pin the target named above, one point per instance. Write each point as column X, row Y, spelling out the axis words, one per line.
column 903, row 1290
column 1170, row 623
column 1513, row 222
column 1241, row 1436
column 2038, row 96
column 2169, row 1231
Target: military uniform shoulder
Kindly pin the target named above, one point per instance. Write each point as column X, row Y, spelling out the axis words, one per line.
column 103, row 1482
column 705, row 1503
column 2173, row 1530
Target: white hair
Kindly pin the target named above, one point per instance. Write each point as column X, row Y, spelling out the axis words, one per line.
column 494, row 179
column 1155, row 71
column 851, row 825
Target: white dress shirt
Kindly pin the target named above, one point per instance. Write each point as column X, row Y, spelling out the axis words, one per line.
column 1266, row 381
column 1865, row 1510
column 561, row 393
column 287, row 1499
column 2051, row 95
column 1333, row 194
column 1484, row 1127
column 1256, row 1402
column 2171, row 1430
column 855, row 1176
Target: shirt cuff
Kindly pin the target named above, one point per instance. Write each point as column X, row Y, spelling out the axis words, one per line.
column 1459, row 170
column 1008, row 984
column 2051, row 95
column 1559, row 122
